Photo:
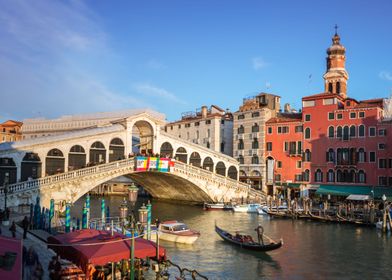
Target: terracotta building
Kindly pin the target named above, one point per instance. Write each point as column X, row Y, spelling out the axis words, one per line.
column 345, row 142
column 10, row 131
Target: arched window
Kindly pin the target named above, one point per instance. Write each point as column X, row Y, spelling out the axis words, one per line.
column 241, row 129
column 240, row 144
column 255, row 128
column 339, row 176
column 338, row 87
column 351, row 176
column 361, row 131
column 255, row 144
column 255, row 159
column 307, row 133
column 352, row 131
column 318, row 176
column 306, row 175
column 346, row 133
column 339, row 132
column 361, row 177
column 330, row 176
column 307, row 155
column 331, row 132
column 329, row 87
column 330, row 155
column 361, row 155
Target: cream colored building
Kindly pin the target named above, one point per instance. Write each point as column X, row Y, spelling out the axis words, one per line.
column 210, row 127
column 249, row 136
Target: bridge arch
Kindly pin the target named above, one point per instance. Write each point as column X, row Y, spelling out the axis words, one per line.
column 31, row 166
column 232, row 172
column 144, row 130
column 76, row 157
column 220, row 168
column 195, row 159
column 54, row 162
column 116, row 149
column 181, row 155
column 97, row 153
column 7, row 171
column 208, row 164
column 166, row 150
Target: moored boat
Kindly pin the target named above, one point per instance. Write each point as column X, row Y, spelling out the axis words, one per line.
column 263, row 210
column 246, row 241
column 175, row 231
column 246, row 208
column 217, row 206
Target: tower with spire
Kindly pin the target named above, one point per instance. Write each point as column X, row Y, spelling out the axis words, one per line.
column 335, row 78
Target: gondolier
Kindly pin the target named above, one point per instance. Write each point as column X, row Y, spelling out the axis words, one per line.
column 260, row 233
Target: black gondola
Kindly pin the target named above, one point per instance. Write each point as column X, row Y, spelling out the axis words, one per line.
column 250, row 245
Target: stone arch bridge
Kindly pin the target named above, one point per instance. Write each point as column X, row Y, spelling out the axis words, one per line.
column 66, row 166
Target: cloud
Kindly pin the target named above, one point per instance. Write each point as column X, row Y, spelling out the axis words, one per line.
column 153, row 91
column 259, row 63
column 385, row 75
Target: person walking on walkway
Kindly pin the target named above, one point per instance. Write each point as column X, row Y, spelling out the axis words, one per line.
column 13, row 229
column 25, row 225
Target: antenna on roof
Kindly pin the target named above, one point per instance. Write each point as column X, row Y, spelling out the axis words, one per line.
column 268, row 85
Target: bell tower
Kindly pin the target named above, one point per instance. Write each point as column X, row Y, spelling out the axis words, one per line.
column 335, row 78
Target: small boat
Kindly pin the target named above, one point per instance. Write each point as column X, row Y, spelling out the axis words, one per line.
column 246, row 241
column 263, row 210
column 217, row 206
column 177, row 232
column 246, row 208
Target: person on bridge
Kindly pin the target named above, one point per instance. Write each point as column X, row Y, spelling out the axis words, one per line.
column 25, row 225
column 13, row 229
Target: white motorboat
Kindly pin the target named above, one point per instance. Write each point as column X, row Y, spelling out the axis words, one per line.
column 177, row 232
column 217, row 206
column 246, row 208
column 263, row 210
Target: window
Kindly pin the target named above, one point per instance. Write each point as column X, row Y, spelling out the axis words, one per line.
column 361, row 131
column 299, row 128
column 372, row 156
column 331, row 116
column 171, row 127
column 381, row 146
column 339, row 132
column 208, row 145
column 307, row 155
column 307, row 118
column 222, row 122
column 222, row 147
column 331, row 132
column 390, row 162
column 286, row 146
column 382, row 181
column 329, row 101
column 299, row 164
column 278, row 164
column 361, row 177
column 179, row 126
column 255, row 144
column 307, row 133
column 352, row 131
column 279, row 129
column 346, row 131
column 339, row 116
column 329, row 87
column 361, row 115
column 269, row 146
column 285, row 129
column 382, row 132
column 330, row 176
column 277, row 177
column 255, row 128
column 293, row 148
column 197, row 123
column 306, row 176
column 330, row 155
column 208, row 121
column 187, row 125
column 382, row 163
column 240, row 144
column 372, row 131
column 255, row 159
column 310, row 103
column 298, row 177
column 361, row 155
column 241, row 129
column 353, row 115
column 241, row 159
column 299, row 148
column 338, row 87
column 241, row 117
column 255, row 114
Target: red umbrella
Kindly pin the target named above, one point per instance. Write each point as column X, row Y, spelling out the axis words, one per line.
column 100, row 247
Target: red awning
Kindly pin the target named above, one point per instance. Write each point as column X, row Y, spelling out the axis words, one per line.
column 105, row 248
column 11, row 245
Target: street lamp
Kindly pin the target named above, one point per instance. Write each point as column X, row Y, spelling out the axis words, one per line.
column 132, row 194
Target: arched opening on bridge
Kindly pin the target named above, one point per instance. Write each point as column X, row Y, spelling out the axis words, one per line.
column 195, row 159
column 232, row 172
column 97, row 153
column 208, row 164
column 76, row 158
column 7, row 170
column 220, row 168
column 166, row 150
column 145, row 133
column 31, row 167
column 55, row 162
column 116, row 150
column 181, row 155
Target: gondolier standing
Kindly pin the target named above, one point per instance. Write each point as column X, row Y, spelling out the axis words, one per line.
column 260, row 233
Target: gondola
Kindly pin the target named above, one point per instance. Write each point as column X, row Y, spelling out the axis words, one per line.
column 249, row 244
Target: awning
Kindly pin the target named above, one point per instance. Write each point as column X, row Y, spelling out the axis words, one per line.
column 358, row 197
column 11, row 251
column 343, row 190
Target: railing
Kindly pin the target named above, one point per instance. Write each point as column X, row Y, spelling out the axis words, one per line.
column 38, row 183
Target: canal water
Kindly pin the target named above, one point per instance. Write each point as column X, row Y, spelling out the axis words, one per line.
column 311, row 250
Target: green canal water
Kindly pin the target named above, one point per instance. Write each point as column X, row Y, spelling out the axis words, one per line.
column 311, row 250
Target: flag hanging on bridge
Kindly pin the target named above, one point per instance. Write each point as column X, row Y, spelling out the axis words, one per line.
column 152, row 163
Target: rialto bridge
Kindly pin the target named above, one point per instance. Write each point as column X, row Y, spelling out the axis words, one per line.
column 65, row 166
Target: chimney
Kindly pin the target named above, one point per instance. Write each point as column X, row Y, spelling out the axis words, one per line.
column 204, row 111
column 287, row 108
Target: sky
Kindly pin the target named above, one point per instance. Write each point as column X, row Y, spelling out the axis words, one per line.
column 71, row 57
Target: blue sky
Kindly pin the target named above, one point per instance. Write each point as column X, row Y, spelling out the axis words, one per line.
column 67, row 57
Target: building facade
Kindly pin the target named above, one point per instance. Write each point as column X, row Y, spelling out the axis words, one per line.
column 10, row 131
column 249, row 136
column 344, row 142
column 210, row 127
